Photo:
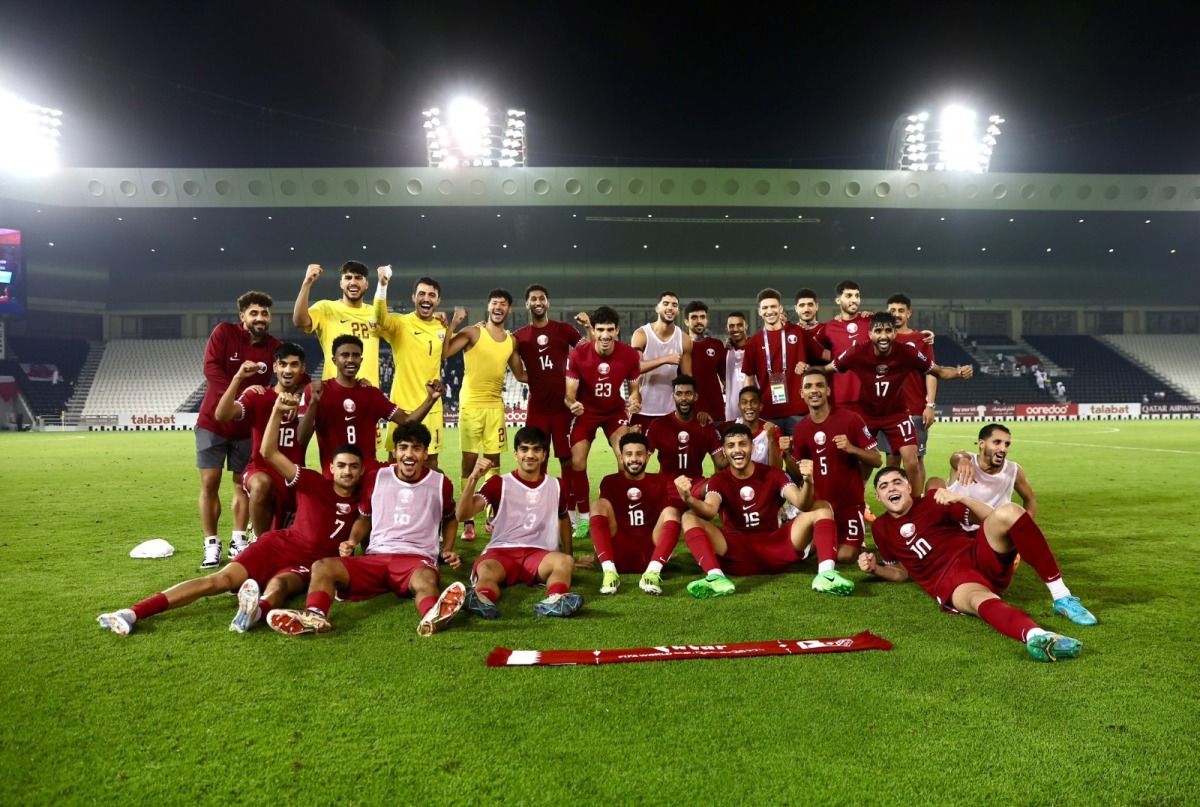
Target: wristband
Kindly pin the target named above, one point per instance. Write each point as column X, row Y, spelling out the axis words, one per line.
column 380, row 291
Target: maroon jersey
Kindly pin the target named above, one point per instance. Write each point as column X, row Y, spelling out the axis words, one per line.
column 836, row 477
column 256, row 410
column 915, row 394
column 349, row 415
column 925, row 541
column 600, row 377
column 322, row 516
column 636, row 503
column 839, row 336
column 883, row 377
column 228, row 346
column 708, row 368
column 682, row 446
column 544, row 352
column 787, row 347
column 750, row 507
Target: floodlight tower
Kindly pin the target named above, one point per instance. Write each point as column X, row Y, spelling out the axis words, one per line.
column 28, row 136
column 952, row 141
column 465, row 135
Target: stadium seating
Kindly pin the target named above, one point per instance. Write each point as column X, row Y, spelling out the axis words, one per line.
column 1172, row 358
column 1099, row 373
column 146, row 375
column 47, row 396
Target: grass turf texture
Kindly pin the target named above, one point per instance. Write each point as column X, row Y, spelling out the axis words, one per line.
column 185, row 711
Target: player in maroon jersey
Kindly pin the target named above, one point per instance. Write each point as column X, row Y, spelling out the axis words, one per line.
column 807, row 311
column 631, row 530
column 270, row 500
column 924, row 539
column 882, row 366
column 847, row 328
column 415, row 528
column 595, row 372
column 680, row 439
column 531, row 536
column 748, row 497
column 835, row 442
column 544, row 345
column 280, row 560
column 708, row 362
column 228, row 444
column 920, row 392
column 774, row 358
column 345, row 411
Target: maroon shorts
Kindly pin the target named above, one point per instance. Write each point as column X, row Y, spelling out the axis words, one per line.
column 851, row 527
column 898, row 429
column 284, row 497
column 372, row 575
column 632, row 551
column 557, row 425
column 520, row 564
column 763, row 553
column 584, row 426
column 275, row 553
column 979, row 564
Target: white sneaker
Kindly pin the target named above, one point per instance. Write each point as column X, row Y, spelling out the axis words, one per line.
column 237, row 547
column 212, row 553
column 119, row 622
column 248, row 614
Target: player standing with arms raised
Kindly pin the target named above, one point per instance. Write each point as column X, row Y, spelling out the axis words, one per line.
column 329, row 319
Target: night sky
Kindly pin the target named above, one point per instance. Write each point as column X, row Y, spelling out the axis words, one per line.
column 1085, row 87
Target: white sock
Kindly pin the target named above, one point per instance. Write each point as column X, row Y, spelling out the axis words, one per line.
column 654, row 566
column 716, row 572
column 826, row 566
column 1058, row 589
column 608, row 566
column 1029, row 634
column 239, row 536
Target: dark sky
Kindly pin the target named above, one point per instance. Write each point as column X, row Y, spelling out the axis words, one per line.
column 1085, row 87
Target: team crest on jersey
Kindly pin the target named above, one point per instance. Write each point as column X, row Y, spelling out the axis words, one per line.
column 441, row 335
column 710, row 352
column 406, row 496
column 348, row 405
column 747, row 493
column 543, row 340
column 634, row 494
column 907, row 531
column 343, row 508
column 791, row 337
column 604, row 368
column 881, row 370
column 262, row 368
column 852, row 328
column 820, row 438
column 532, row 497
column 684, row 438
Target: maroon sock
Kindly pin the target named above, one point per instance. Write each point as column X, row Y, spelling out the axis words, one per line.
column 825, row 539
column 602, row 538
column 1012, row 622
column 583, row 492
column 318, row 601
column 151, row 606
column 667, row 540
column 492, row 594
column 1031, row 545
column 702, row 549
column 557, row 588
column 425, row 604
column 265, row 607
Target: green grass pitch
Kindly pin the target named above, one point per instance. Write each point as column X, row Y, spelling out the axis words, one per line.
column 183, row 711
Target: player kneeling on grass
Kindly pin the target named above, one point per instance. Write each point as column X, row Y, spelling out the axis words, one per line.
column 325, row 514
column 748, row 497
column 925, row 539
column 416, row 514
column 529, row 527
column 633, row 526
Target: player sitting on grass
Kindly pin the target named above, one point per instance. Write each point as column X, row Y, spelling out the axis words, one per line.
column 631, row 527
column 748, row 497
column 530, row 525
column 282, row 559
column 416, row 514
column 924, row 539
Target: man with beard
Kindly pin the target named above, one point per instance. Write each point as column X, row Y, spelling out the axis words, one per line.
column 735, row 354
column 708, row 362
column 920, row 392
column 807, row 310
column 666, row 352
column 630, row 529
column 847, row 328
column 924, row 539
column 218, row 444
column 329, row 319
column 990, row 476
column 270, row 499
column 748, row 497
column 490, row 350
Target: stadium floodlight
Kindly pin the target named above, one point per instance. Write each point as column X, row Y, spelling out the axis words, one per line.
column 28, row 136
column 467, row 136
column 951, row 141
